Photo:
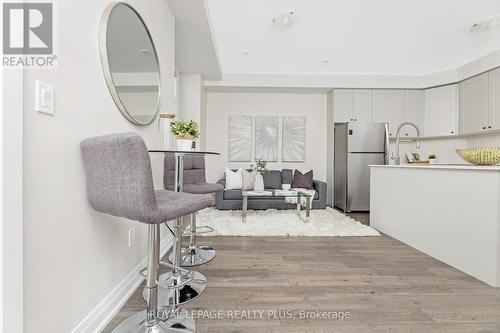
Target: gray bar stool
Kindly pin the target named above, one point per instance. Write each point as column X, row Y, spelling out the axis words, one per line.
column 120, row 183
column 193, row 181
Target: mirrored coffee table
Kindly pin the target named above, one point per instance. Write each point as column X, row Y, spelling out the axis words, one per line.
column 249, row 195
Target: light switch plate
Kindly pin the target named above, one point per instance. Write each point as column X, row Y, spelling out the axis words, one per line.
column 45, row 98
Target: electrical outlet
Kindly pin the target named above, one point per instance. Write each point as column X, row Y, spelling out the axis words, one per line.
column 131, row 237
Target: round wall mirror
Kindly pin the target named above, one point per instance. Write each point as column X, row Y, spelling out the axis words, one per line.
column 130, row 63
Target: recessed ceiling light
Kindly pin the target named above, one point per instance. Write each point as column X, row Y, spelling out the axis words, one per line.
column 285, row 19
column 486, row 24
column 326, row 60
column 246, row 52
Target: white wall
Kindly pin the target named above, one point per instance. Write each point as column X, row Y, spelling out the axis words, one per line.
column 190, row 87
column 74, row 256
column 221, row 105
column 11, row 229
column 191, row 101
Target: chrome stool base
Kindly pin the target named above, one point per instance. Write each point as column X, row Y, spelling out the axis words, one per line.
column 179, row 323
column 185, row 294
column 195, row 256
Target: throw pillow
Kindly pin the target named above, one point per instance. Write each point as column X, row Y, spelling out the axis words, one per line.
column 303, row 180
column 249, row 179
column 234, row 179
column 272, row 180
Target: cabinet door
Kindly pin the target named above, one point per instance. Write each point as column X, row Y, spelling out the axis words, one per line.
column 380, row 106
column 441, row 111
column 362, row 105
column 414, row 110
column 474, row 104
column 494, row 114
column 343, row 101
column 395, row 110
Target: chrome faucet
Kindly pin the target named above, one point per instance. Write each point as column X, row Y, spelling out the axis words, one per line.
column 397, row 160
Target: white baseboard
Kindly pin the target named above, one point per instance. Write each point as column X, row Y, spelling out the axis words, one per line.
column 102, row 314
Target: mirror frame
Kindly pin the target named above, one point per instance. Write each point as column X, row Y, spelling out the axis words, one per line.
column 103, row 50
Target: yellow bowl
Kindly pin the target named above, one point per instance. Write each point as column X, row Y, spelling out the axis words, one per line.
column 480, row 156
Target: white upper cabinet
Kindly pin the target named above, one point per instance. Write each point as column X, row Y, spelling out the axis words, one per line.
column 414, row 111
column 395, row 110
column 362, row 110
column 474, row 104
column 380, row 106
column 494, row 114
column 343, row 105
column 441, row 110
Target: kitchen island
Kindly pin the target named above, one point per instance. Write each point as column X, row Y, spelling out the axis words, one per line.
column 450, row 212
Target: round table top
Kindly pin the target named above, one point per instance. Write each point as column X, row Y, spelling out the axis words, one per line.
column 188, row 152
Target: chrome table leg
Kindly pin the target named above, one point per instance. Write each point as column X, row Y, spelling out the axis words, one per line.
column 244, row 209
column 298, row 204
column 308, row 209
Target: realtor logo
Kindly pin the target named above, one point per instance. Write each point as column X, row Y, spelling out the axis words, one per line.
column 28, row 29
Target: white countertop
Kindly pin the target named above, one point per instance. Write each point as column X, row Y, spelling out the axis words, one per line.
column 441, row 166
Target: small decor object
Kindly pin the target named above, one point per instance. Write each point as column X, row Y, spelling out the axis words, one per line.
column 240, row 139
column 286, row 187
column 415, row 158
column 249, row 180
column 234, row 179
column 266, row 138
column 260, row 166
column 480, row 156
column 185, row 132
column 294, row 139
column 303, row 179
column 432, row 158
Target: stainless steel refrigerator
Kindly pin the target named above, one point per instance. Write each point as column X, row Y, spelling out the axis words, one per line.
column 357, row 145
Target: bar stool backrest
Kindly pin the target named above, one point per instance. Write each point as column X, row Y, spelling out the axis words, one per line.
column 119, row 177
column 194, row 170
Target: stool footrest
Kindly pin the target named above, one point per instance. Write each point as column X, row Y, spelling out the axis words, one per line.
column 171, row 276
column 188, row 277
column 204, row 230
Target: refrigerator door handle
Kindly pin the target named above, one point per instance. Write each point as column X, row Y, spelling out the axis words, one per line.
column 387, row 144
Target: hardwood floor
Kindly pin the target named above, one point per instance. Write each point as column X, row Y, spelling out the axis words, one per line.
column 384, row 285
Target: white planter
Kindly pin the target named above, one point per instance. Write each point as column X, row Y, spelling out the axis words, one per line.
column 184, row 144
column 432, row 161
column 259, row 183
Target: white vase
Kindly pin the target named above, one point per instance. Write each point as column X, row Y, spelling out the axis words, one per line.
column 259, row 183
column 184, row 144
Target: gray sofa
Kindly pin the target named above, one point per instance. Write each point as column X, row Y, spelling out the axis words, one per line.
column 232, row 199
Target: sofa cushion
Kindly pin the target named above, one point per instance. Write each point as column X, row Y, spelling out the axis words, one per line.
column 272, row 179
column 287, row 176
column 303, row 180
column 233, row 195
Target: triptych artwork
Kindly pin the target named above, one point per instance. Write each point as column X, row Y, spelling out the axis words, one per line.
column 263, row 133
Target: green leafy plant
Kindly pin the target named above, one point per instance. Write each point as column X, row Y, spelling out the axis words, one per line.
column 188, row 129
column 432, row 156
column 260, row 166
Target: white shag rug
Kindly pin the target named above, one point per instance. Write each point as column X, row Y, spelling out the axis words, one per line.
column 273, row 222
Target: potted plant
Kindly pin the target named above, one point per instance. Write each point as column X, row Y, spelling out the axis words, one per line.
column 260, row 166
column 432, row 158
column 185, row 132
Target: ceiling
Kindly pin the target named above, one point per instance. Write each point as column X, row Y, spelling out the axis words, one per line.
column 361, row 37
